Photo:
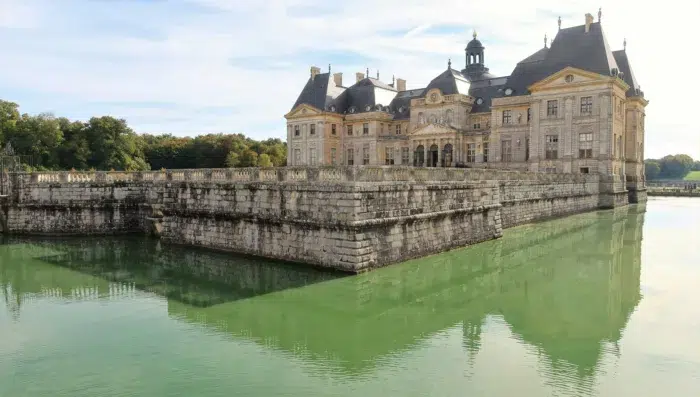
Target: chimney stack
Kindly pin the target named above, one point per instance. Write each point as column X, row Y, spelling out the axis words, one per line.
column 400, row 85
column 589, row 21
column 314, row 71
column 338, row 79
column 359, row 76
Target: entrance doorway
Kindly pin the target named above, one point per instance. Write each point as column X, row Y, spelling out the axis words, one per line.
column 447, row 155
column 419, row 156
column 433, row 156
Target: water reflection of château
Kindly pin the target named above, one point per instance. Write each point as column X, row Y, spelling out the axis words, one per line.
column 566, row 288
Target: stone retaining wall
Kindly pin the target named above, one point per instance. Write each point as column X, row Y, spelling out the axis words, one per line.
column 347, row 218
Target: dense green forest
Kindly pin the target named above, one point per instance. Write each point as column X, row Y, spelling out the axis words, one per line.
column 670, row 167
column 47, row 142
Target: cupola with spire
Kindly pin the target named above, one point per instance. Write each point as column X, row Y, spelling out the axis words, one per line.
column 475, row 68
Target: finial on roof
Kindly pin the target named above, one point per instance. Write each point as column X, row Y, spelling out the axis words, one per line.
column 624, row 44
column 449, row 64
column 329, row 68
column 474, row 34
column 559, row 23
column 600, row 13
column 545, row 40
column 367, row 74
column 377, row 74
column 393, row 79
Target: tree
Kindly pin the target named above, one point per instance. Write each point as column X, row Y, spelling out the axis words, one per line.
column 264, row 160
column 696, row 166
column 652, row 168
column 38, row 136
column 248, row 159
column 106, row 143
column 9, row 116
column 232, row 159
column 675, row 166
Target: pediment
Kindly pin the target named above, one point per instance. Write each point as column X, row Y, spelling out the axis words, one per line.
column 568, row 77
column 433, row 129
column 303, row 110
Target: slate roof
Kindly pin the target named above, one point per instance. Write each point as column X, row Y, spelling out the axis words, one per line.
column 571, row 47
column 474, row 44
column 319, row 92
column 486, row 90
column 402, row 101
column 450, row 82
column 623, row 63
column 366, row 92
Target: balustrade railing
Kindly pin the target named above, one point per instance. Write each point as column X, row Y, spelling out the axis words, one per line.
column 336, row 174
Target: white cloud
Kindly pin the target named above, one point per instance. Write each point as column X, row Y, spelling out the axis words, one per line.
column 191, row 64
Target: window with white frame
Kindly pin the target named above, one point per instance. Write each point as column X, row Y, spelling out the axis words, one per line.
column 471, row 152
column 551, row 147
column 585, row 145
column 389, row 156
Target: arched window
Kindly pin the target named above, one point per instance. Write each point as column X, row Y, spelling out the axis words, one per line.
column 433, row 119
column 448, row 116
column 421, row 118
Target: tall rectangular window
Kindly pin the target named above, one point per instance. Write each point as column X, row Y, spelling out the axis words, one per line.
column 365, row 129
column 486, row 152
column 552, row 108
column 529, row 114
column 333, row 156
column 333, row 130
column 471, row 152
column 551, row 147
column 351, row 156
column 312, row 156
column 506, row 117
column 506, row 151
column 297, row 156
column 586, row 105
column 312, row 129
column 477, row 126
column 365, row 155
column 389, row 156
column 585, row 145
column 398, row 129
column 349, row 130
column 404, row 155
column 296, row 130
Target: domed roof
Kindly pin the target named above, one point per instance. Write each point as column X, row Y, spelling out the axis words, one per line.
column 474, row 44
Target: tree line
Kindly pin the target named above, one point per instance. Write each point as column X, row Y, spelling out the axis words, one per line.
column 670, row 167
column 107, row 143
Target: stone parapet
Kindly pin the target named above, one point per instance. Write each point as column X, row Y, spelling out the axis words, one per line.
column 348, row 218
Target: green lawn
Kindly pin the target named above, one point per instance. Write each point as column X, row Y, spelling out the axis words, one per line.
column 692, row 176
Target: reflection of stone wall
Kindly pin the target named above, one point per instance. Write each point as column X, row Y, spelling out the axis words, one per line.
column 571, row 277
column 347, row 218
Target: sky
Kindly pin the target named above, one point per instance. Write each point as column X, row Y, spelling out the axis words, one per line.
column 190, row 67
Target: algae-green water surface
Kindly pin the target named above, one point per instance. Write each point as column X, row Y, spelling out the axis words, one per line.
column 598, row 304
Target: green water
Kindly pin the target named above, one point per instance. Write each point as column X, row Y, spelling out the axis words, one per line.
column 600, row 304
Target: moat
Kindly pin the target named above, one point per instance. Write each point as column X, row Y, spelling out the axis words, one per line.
column 598, row 304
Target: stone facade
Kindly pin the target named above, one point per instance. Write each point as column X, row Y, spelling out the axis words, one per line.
column 346, row 218
column 574, row 107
